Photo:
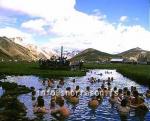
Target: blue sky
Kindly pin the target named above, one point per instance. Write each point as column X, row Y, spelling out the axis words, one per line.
column 78, row 23
column 136, row 10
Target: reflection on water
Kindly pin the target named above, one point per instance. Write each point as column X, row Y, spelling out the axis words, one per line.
column 104, row 112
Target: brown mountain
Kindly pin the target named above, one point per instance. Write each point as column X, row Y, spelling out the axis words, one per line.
column 11, row 50
column 92, row 55
column 136, row 54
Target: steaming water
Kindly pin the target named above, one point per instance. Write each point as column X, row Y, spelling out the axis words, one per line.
column 81, row 112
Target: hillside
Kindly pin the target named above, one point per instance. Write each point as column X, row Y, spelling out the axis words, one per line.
column 11, row 50
column 136, row 54
column 92, row 55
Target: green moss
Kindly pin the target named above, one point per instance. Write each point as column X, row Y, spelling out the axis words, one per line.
column 25, row 68
column 12, row 108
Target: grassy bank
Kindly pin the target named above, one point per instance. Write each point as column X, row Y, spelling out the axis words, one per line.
column 10, row 108
column 139, row 73
column 25, row 68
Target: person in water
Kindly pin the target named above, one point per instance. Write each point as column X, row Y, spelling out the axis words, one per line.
column 68, row 93
column 93, row 103
column 52, row 104
column 120, row 96
column 147, row 93
column 113, row 98
column 74, row 99
column 124, row 108
column 73, row 80
column 77, row 90
column 40, row 108
column 50, row 83
column 137, row 101
column 62, row 112
column 61, row 82
column 99, row 95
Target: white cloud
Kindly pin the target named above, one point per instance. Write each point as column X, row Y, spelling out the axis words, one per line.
column 13, row 32
column 35, row 25
column 123, row 18
column 75, row 29
column 43, row 8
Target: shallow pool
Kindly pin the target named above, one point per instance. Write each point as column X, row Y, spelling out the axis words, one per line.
column 81, row 112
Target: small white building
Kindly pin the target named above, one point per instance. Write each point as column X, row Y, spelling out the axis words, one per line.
column 116, row 60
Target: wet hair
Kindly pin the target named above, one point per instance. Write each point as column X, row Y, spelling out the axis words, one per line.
column 128, row 93
column 105, row 88
column 40, row 101
column 115, row 88
column 61, row 103
column 120, row 91
column 33, row 93
column 77, row 87
column 99, row 89
column 108, row 84
column 68, row 88
column 109, row 88
column 32, row 88
column 87, row 88
column 125, row 89
column 59, row 99
column 135, row 93
column 112, row 93
column 52, row 104
column 147, row 91
column 134, row 88
column 73, row 80
column 112, row 78
column 124, row 103
column 102, row 86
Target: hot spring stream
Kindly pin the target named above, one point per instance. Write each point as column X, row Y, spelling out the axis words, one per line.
column 80, row 112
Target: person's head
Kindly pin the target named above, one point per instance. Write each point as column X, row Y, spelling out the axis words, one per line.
column 52, row 102
column 32, row 88
column 87, row 88
column 135, row 93
column 109, row 88
column 59, row 99
column 134, row 88
column 115, row 88
column 33, row 93
column 40, row 101
column 74, row 81
column 94, row 97
column 108, row 84
column 112, row 93
column 120, row 91
column 105, row 88
column 128, row 93
column 68, row 89
column 99, row 89
column 148, row 91
column 102, row 86
column 61, row 103
column 125, row 89
column 124, row 103
column 77, row 87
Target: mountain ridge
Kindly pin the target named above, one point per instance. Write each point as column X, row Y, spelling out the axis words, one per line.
column 9, row 49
